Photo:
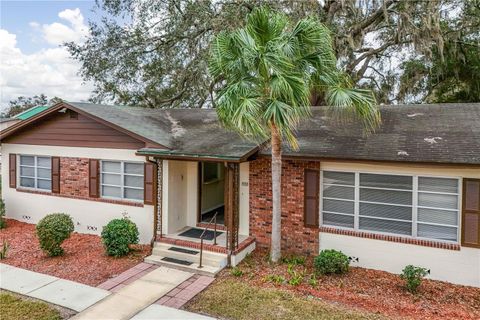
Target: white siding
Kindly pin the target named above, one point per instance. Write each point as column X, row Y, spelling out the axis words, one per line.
column 87, row 215
column 462, row 267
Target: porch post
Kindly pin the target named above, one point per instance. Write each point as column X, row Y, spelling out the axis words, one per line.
column 232, row 207
column 158, row 216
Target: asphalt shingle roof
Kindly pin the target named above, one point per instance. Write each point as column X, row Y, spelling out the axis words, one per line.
column 441, row 133
column 183, row 131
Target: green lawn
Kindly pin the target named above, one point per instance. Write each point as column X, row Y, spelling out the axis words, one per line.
column 15, row 308
column 235, row 300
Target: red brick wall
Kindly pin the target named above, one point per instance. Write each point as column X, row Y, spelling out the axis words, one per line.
column 296, row 238
column 74, row 177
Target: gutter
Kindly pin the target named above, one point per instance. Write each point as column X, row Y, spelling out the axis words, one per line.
column 168, row 154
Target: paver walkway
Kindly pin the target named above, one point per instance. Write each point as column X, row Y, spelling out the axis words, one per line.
column 136, row 296
column 175, row 298
column 65, row 293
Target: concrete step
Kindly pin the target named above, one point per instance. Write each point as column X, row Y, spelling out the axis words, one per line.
column 207, row 259
column 206, row 270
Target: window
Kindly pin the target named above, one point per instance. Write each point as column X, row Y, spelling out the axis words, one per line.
column 423, row 207
column 122, row 180
column 35, row 172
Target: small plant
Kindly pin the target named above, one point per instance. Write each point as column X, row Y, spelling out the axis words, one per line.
column 296, row 278
column 274, row 278
column 118, row 235
column 295, row 260
column 52, row 230
column 4, row 250
column 313, row 281
column 3, row 223
column 236, row 272
column 413, row 277
column 331, row 261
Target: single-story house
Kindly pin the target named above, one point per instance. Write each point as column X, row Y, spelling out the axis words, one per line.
column 407, row 194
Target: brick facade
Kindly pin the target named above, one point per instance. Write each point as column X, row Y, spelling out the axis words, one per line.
column 74, row 177
column 296, row 238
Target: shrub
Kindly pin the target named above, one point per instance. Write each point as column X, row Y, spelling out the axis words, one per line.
column 3, row 223
column 118, row 235
column 236, row 272
column 413, row 277
column 4, row 250
column 331, row 261
column 52, row 230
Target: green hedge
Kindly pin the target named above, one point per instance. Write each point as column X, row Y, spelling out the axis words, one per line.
column 118, row 235
column 331, row 261
column 52, row 230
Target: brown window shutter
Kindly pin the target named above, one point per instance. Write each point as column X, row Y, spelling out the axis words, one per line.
column 471, row 213
column 311, row 198
column 149, row 183
column 56, row 174
column 93, row 178
column 12, row 169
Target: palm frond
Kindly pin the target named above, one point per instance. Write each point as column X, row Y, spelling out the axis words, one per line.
column 360, row 104
column 269, row 68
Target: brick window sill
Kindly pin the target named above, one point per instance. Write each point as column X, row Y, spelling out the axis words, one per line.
column 113, row 201
column 383, row 237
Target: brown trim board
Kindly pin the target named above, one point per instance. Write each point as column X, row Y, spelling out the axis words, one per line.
column 22, row 124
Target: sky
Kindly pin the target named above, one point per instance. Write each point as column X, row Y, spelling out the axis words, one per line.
column 32, row 58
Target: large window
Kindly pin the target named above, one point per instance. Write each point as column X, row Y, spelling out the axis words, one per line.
column 122, row 180
column 422, row 207
column 35, row 172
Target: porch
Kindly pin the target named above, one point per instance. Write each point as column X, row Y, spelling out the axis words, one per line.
column 202, row 221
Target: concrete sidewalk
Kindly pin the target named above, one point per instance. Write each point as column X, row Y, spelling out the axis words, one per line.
column 65, row 293
column 157, row 312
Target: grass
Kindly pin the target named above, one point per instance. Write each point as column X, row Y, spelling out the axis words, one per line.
column 236, row 300
column 16, row 308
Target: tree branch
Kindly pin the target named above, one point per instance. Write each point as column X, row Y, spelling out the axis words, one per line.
column 374, row 17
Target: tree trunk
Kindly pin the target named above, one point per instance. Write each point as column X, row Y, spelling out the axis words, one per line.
column 275, row 252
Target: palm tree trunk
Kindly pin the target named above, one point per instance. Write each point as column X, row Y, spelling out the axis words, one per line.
column 275, row 252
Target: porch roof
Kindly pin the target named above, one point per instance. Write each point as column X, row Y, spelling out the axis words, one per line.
column 186, row 133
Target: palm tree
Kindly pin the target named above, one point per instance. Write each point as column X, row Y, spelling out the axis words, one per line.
column 266, row 71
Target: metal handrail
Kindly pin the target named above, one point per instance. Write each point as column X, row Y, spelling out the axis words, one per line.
column 214, row 219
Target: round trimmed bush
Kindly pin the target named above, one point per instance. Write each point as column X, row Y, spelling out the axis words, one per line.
column 331, row 261
column 52, row 230
column 118, row 235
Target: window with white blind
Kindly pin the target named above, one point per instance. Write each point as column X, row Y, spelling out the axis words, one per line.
column 35, row 172
column 121, row 180
column 416, row 206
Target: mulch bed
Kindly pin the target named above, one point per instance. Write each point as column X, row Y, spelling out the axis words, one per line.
column 84, row 259
column 369, row 290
